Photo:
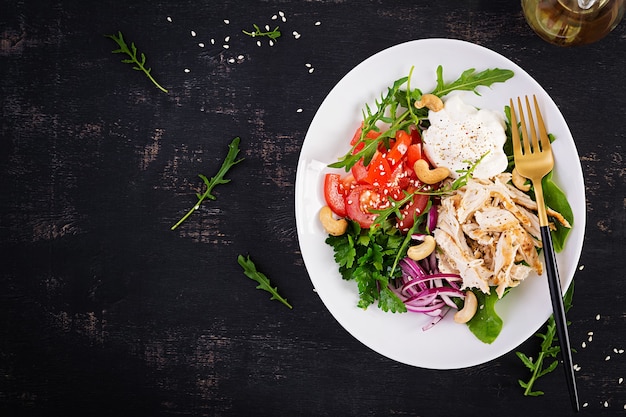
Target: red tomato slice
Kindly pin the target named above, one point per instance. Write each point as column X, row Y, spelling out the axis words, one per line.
column 378, row 171
column 359, row 201
column 410, row 211
column 372, row 134
column 415, row 136
column 399, row 148
column 334, row 194
column 359, row 172
column 414, row 153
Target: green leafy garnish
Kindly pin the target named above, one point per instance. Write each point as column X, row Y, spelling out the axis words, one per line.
column 258, row 32
column 139, row 64
column 369, row 257
column 546, row 360
column 470, row 80
column 249, row 268
column 486, row 324
column 229, row 161
column 396, row 110
column 555, row 199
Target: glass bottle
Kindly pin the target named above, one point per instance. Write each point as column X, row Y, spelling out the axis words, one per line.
column 573, row 22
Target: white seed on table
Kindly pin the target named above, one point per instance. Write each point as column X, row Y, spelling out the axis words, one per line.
column 169, row 19
column 227, row 21
column 318, row 23
column 201, row 45
column 193, row 33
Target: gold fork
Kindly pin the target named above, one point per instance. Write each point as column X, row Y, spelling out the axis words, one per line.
column 533, row 160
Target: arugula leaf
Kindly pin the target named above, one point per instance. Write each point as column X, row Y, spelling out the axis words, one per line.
column 229, row 161
column 546, row 360
column 139, row 65
column 470, row 80
column 249, row 268
column 555, row 199
column 486, row 323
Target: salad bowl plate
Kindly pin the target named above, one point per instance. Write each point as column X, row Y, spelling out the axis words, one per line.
column 399, row 336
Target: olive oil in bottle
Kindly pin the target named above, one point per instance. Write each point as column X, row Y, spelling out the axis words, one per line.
column 573, row 22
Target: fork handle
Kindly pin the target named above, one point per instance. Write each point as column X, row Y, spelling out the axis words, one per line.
column 558, row 309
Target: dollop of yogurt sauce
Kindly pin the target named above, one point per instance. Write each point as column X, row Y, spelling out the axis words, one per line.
column 460, row 132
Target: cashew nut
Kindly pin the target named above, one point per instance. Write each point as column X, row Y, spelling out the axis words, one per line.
column 519, row 181
column 469, row 308
column 335, row 227
column 422, row 250
column 427, row 175
column 431, row 101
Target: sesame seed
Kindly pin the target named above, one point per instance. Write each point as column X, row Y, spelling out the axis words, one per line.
column 193, row 33
column 307, row 65
column 169, row 19
column 274, row 17
column 318, row 23
column 271, row 42
column 231, row 60
column 267, row 27
column 619, row 381
column 299, row 111
column 212, row 41
column 606, row 404
column 608, row 357
column 258, row 43
column 227, row 21
column 240, row 57
column 585, row 405
column 311, row 70
column 598, row 317
column 227, row 39
column 225, row 46
column 196, row 207
column 201, row 45
column 580, row 268
column 188, row 70
column 584, row 345
column 577, row 367
column 296, row 34
column 281, row 14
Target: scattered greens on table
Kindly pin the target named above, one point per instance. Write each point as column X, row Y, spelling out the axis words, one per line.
column 229, row 161
column 548, row 353
column 139, row 63
column 249, row 268
column 258, row 32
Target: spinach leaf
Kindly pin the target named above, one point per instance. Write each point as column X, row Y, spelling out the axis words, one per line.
column 555, row 199
column 486, row 324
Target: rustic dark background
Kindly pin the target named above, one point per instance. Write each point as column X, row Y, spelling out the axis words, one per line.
column 104, row 311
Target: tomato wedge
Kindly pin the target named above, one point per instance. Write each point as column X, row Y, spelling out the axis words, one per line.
column 359, row 201
column 334, row 194
column 399, row 148
column 410, row 211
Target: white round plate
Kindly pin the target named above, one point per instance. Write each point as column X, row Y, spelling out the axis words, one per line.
column 400, row 336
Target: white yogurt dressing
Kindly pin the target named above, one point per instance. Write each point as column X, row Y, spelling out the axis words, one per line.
column 460, row 132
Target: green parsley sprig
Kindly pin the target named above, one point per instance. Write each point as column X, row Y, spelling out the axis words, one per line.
column 546, row 360
column 229, row 162
column 139, row 63
column 249, row 268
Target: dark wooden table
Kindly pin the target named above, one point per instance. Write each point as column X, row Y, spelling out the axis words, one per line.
column 105, row 311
